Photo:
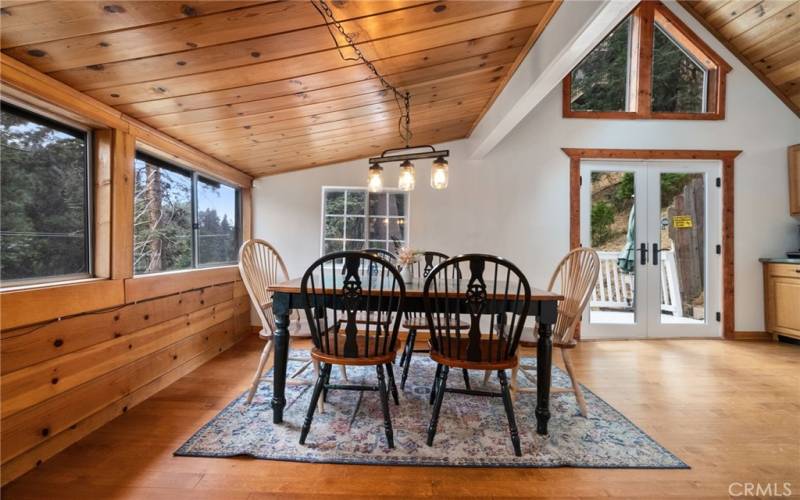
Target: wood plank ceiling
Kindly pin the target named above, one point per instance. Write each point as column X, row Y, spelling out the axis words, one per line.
column 261, row 86
column 765, row 35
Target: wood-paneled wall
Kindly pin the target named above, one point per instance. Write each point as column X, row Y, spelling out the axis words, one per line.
column 75, row 355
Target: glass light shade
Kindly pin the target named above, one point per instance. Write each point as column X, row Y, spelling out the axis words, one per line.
column 439, row 174
column 408, row 176
column 375, row 179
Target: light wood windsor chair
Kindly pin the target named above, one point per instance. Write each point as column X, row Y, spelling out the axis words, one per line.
column 576, row 276
column 261, row 266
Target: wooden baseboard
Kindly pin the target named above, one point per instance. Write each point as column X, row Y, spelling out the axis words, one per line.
column 752, row 336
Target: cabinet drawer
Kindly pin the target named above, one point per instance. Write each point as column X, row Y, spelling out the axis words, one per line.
column 786, row 270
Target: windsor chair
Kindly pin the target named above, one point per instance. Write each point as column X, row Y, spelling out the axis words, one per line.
column 261, row 266
column 415, row 322
column 575, row 278
column 496, row 297
column 336, row 291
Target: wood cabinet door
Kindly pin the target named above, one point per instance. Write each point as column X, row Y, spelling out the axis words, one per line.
column 794, row 179
column 786, row 295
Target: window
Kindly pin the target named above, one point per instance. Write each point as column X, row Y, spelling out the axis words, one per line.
column 650, row 66
column 354, row 219
column 600, row 81
column 44, row 199
column 182, row 220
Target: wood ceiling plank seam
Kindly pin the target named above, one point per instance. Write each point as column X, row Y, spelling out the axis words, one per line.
column 791, row 87
column 730, row 12
column 321, row 118
column 766, row 28
column 318, row 146
column 753, row 17
column 380, row 96
column 331, row 148
column 187, row 85
column 234, row 95
column 408, row 80
column 785, row 73
column 88, row 50
column 780, row 59
column 377, row 120
column 776, row 42
column 298, row 136
column 230, row 6
column 302, row 134
column 333, row 160
column 743, row 57
column 444, row 34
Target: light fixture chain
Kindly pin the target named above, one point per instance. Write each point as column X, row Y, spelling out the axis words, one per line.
column 405, row 119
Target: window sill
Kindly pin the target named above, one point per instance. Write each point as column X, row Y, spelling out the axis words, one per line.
column 47, row 284
column 149, row 286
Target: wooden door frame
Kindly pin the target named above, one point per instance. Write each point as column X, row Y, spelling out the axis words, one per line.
column 727, row 158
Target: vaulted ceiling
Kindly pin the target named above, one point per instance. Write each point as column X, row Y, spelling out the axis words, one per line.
column 261, row 85
column 764, row 34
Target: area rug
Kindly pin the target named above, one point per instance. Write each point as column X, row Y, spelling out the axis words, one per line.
column 472, row 431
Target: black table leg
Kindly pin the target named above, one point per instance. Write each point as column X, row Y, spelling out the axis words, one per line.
column 544, row 364
column 280, row 308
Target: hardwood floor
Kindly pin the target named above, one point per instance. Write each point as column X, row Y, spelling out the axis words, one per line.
column 731, row 410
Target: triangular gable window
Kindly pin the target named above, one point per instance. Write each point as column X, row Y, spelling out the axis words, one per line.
column 650, row 66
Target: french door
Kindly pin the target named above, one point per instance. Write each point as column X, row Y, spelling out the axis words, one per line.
column 656, row 226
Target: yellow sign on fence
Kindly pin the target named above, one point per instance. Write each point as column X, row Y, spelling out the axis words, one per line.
column 682, row 221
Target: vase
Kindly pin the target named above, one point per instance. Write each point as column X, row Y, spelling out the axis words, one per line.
column 407, row 274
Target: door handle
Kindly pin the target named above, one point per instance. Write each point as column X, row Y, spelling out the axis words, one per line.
column 643, row 254
column 655, row 254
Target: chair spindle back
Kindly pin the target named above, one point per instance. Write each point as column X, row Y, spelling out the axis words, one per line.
column 495, row 296
column 261, row 267
column 575, row 278
column 338, row 288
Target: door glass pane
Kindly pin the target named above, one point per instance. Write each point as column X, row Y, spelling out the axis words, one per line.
column 217, row 217
column 683, row 248
column 613, row 236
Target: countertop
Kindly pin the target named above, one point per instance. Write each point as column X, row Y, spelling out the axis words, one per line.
column 780, row 260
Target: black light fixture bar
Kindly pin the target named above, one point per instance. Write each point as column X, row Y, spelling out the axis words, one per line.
column 409, row 156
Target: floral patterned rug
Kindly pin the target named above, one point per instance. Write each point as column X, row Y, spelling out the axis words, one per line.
column 472, row 431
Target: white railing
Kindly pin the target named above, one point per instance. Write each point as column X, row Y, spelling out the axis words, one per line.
column 615, row 289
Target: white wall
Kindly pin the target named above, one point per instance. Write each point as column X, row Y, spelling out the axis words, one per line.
column 515, row 201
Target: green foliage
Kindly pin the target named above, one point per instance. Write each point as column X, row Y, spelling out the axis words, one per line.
column 677, row 78
column 601, row 219
column 672, row 185
column 599, row 81
column 42, row 201
column 623, row 197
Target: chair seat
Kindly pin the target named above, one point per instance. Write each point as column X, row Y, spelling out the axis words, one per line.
column 488, row 360
column 421, row 323
column 530, row 338
column 380, row 359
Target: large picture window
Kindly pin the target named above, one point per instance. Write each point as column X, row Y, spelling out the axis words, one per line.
column 354, row 219
column 44, row 199
column 182, row 220
column 650, row 66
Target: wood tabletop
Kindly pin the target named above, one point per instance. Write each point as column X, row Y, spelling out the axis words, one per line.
column 414, row 289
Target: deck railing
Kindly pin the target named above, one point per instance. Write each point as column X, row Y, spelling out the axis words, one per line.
column 615, row 289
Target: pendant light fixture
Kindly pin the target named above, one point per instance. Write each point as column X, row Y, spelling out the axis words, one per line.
column 439, row 175
column 407, row 179
column 375, row 179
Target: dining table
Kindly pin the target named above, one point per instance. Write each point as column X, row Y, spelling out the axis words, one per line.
column 288, row 296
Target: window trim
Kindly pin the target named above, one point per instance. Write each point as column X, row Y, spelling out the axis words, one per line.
column 194, row 175
column 326, row 188
column 64, row 125
column 639, row 88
